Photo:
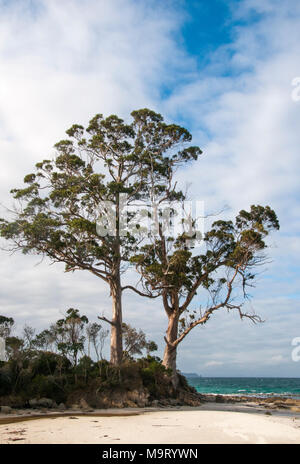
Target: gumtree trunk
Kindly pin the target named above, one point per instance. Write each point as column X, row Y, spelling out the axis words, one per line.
column 116, row 345
column 170, row 353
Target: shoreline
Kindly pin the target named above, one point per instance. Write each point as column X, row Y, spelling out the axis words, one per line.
column 272, row 403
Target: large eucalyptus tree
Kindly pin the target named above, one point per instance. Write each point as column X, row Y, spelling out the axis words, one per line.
column 217, row 278
column 56, row 213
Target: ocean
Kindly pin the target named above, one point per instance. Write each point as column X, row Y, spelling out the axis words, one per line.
column 248, row 386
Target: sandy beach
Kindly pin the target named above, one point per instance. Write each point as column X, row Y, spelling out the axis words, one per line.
column 209, row 424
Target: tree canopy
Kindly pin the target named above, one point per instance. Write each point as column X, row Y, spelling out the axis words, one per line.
column 57, row 211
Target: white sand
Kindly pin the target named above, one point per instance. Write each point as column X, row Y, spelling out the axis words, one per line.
column 159, row 427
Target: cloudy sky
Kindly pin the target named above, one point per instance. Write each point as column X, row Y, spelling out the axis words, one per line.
column 227, row 70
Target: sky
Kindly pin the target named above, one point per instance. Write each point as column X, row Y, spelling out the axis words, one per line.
column 226, row 70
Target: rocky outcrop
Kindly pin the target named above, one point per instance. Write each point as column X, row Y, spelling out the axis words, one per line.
column 5, row 410
column 269, row 402
column 42, row 403
column 92, row 399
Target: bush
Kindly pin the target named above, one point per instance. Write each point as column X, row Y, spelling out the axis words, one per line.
column 47, row 363
column 47, row 386
column 5, row 382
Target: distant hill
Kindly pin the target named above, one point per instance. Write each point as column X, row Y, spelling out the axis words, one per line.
column 190, row 374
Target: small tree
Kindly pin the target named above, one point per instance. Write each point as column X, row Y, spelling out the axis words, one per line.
column 70, row 334
column 234, row 250
column 45, row 340
column 135, row 341
column 28, row 337
column 96, row 336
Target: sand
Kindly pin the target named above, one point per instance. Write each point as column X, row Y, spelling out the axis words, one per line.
column 207, row 424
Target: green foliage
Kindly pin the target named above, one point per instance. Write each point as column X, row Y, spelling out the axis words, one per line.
column 35, row 371
column 47, row 363
column 47, row 386
column 154, row 376
column 69, row 333
column 135, row 342
column 59, row 221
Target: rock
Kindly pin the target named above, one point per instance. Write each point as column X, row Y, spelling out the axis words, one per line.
column 154, row 403
column 117, row 404
column 139, row 397
column 61, row 407
column 130, row 404
column 75, row 406
column 41, row 403
column 33, row 403
column 189, row 399
column 219, row 399
column 6, row 410
column 282, row 406
column 85, row 406
column 173, row 402
column 270, row 406
column 45, row 402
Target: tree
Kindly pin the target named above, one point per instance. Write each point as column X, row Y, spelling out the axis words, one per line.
column 234, row 250
column 70, row 334
column 64, row 197
column 135, row 341
column 28, row 336
column 96, row 336
column 45, row 340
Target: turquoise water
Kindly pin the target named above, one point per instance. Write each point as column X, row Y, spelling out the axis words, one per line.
column 251, row 386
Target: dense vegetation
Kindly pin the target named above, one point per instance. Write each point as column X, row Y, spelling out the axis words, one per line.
column 65, row 363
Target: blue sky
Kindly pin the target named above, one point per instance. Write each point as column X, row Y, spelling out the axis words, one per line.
column 223, row 69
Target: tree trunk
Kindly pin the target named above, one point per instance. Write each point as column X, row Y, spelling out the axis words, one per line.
column 116, row 345
column 170, row 354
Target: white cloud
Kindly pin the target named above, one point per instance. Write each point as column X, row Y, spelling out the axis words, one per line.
column 277, row 359
column 63, row 62
column 213, row 363
column 248, row 126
